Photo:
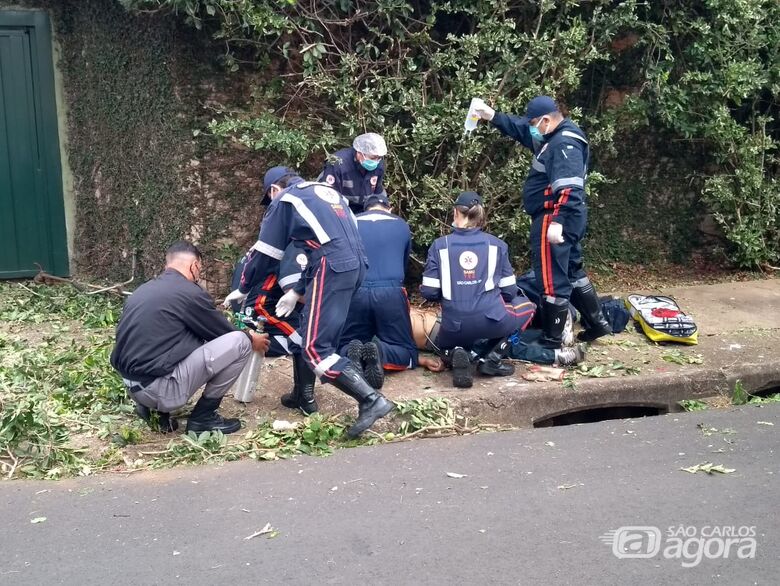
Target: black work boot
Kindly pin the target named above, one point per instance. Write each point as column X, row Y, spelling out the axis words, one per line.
column 302, row 395
column 373, row 371
column 492, row 365
column 460, row 362
column 586, row 301
column 355, row 354
column 554, row 318
column 204, row 417
column 157, row 420
column 372, row 405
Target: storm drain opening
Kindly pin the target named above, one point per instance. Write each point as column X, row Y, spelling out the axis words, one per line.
column 596, row 414
column 768, row 391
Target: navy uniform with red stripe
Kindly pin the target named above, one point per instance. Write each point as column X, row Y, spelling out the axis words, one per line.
column 264, row 297
column 554, row 191
column 469, row 272
column 344, row 174
column 380, row 308
column 315, row 217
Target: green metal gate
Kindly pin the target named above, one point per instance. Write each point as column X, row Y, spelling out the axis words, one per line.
column 32, row 215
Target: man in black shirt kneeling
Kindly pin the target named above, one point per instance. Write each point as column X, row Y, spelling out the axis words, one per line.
column 171, row 340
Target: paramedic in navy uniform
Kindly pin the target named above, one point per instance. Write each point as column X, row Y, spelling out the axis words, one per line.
column 380, row 308
column 315, row 216
column 469, row 272
column 264, row 297
column 359, row 171
column 554, row 197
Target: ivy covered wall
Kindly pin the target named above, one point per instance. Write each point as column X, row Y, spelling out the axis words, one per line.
column 135, row 89
column 140, row 92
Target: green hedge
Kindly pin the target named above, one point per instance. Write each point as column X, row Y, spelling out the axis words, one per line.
column 702, row 74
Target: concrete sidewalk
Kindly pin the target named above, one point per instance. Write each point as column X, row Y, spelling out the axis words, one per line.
column 739, row 339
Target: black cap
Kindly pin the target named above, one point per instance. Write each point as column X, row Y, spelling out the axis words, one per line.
column 273, row 175
column 540, row 106
column 468, row 199
column 376, row 198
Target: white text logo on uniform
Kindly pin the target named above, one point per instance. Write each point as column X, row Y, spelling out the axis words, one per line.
column 688, row 544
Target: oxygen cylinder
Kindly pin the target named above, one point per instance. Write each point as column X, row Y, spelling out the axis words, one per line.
column 245, row 385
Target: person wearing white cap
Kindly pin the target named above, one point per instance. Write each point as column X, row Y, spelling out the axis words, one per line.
column 359, row 171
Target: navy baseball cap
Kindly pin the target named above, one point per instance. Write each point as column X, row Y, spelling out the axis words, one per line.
column 273, row 175
column 376, row 198
column 540, row 106
column 468, row 199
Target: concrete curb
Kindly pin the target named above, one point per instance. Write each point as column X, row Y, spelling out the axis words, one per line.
column 527, row 405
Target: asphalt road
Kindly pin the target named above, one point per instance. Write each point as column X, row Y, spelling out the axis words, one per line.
column 530, row 510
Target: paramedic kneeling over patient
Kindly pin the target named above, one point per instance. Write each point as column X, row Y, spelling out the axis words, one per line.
column 171, row 340
column 469, row 272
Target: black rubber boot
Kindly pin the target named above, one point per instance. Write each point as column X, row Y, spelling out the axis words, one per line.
column 554, row 318
column 372, row 405
column 204, row 417
column 291, row 399
column 373, row 371
column 460, row 362
column 302, row 396
column 586, row 301
column 157, row 420
column 355, row 354
column 492, row 365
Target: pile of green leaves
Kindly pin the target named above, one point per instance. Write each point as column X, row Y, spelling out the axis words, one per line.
column 48, row 393
column 32, row 303
column 317, row 436
column 706, row 71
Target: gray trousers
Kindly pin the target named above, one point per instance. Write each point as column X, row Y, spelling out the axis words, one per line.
column 216, row 364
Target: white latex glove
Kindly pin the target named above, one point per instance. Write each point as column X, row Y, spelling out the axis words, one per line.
column 555, row 233
column 236, row 295
column 483, row 110
column 287, row 303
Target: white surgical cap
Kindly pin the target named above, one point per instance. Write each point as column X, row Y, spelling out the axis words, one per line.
column 371, row 144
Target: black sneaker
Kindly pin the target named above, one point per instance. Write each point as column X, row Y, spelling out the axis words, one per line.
column 461, row 369
column 373, row 371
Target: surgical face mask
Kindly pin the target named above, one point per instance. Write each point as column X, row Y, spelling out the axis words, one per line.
column 536, row 134
column 369, row 164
